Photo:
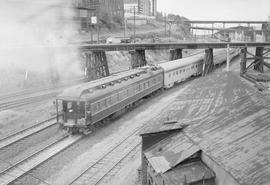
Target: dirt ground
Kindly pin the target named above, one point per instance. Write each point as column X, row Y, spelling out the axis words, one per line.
column 17, row 119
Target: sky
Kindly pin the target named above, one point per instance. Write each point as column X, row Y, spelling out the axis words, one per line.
column 217, row 9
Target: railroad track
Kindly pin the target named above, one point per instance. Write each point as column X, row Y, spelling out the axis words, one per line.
column 22, row 134
column 15, row 171
column 28, row 96
column 103, row 166
column 24, row 101
column 107, row 178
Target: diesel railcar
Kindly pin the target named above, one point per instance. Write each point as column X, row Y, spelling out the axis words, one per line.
column 83, row 106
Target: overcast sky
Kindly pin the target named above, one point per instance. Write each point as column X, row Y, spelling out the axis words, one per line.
column 217, row 9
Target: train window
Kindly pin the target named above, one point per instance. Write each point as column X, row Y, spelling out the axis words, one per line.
column 124, row 94
column 69, row 105
column 169, row 75
column 114, row 98
column 101, row 105
column 119, row 96
column 94, row 107
column 98, row 106
column 64, row 106
column 173, row 73
column 177, row 72
column 106, row 103
column 82, row 107
column 109, row 101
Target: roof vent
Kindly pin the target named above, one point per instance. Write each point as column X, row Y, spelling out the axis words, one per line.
column 131, row 76
column 137, row 74
column 119, row 81
column 111, row 83
column 125, row 78
column 169, row 122
column 103, row 86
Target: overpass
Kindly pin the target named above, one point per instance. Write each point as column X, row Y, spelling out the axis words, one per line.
column 97, row 66
column 163, row 46
column 211, row 23
column 224, row 22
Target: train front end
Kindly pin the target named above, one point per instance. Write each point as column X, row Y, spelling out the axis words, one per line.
column 72, row 115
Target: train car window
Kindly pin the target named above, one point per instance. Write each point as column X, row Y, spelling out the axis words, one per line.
column 169, row 75
column 148, row 83
column 64, row 106
column 100, row 106
column 69, row 105
column 144, row 85
column 113, row 98
column 109, row 101
column 177, row 72
column 94, row 107
column 173, row 73
column 105, row 102
column 130, row 91
column 82, row 107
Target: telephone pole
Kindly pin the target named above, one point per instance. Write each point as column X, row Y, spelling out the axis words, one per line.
column 134, row 11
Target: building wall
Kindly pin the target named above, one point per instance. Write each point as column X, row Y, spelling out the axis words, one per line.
column 153, row 178
column 222, row 177
column 112, row 7
column 143, row 7
column 148, row 141
column 154, row 7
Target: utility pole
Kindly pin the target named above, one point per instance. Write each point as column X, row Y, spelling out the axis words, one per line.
column 170, row 26
column 134, row 9
column 165, row 24
column 125, row 31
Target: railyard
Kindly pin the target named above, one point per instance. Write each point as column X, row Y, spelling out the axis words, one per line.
column 162, row 109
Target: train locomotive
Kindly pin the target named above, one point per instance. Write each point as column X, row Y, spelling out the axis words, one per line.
column 82, row 107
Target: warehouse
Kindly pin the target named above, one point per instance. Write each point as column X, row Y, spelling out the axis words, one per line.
column 88, row 12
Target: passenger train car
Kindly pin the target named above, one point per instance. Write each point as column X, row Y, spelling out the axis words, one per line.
column 81, row 107
column 86, row 104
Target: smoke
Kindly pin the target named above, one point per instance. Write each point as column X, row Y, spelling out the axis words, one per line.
column 31, row 32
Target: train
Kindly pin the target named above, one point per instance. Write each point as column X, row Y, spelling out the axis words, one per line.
column 82, row 107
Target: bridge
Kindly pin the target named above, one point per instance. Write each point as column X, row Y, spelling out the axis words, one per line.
column 97, row 66
column 195, row 23
column 224, row 22
column 162, row 46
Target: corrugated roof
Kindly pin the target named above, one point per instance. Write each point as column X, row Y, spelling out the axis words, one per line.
column 190, row 173
column 228, row 120
column 170, row 152
column 237, row 137
column 199, row 100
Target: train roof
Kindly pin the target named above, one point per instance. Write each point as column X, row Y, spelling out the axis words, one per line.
column 171, row 65
column 104, row 85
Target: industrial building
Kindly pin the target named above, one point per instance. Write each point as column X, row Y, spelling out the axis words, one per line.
column 86, row 10
column 141, row 7
column 216, row 132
